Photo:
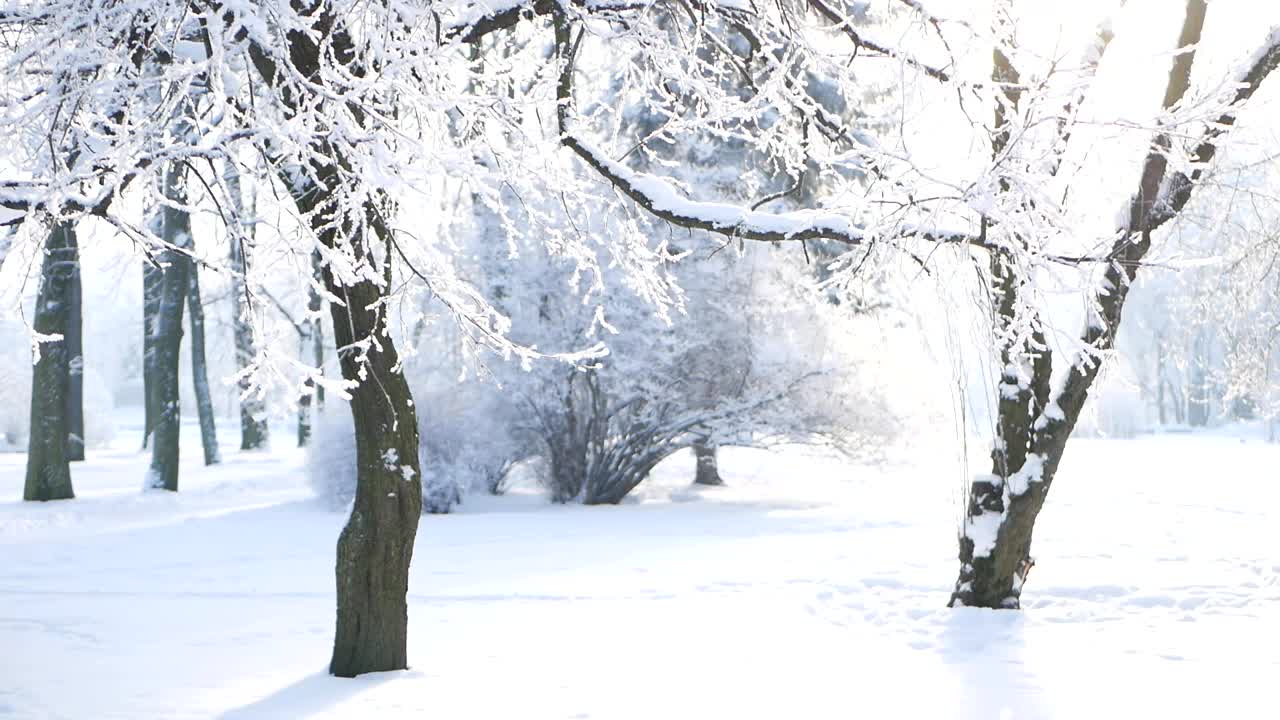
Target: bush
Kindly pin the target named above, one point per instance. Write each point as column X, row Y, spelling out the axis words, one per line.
column 331, row 457
column 461, row 448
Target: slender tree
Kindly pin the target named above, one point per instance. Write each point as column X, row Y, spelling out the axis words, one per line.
column 311, row 342
column 75, row 366
column 200, row 371
column 152, row 275
column 48, row 471
column 175, row 230
column 253, row 422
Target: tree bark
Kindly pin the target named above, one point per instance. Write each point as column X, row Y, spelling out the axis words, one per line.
column 75, row 366
column 1033, row 423
column 48, row 468
column 254, row 432
column 376, row 545
column 708, row 472
column 200, row 371
column 151, row 278
column 175, row 227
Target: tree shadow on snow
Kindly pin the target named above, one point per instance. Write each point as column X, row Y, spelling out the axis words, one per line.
column 309, row 695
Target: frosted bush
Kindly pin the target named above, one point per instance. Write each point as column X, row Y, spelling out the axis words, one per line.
column 460, row 448
column 331, row 457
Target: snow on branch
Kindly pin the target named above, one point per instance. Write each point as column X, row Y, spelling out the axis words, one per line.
column 661, row 198
column 845, row 26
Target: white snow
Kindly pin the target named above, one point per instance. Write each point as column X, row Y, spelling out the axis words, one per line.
column 805, row 589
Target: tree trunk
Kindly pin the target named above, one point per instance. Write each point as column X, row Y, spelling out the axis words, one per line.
column 175, row 227
column 75, row 366
column 1033, row 423
column 151, row 278
column 48, row 470
column 200, row 371
column 708, row 472
column 314, row 306
column 308, row 389
column 1160, row 400
column 311, row 341
column 253, row 422
column 376, row 545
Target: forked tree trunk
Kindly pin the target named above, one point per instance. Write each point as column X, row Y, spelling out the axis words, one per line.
column 253, row 422
column 151, row 279
column 175, row 229
column 708, row 471
column 75, row 366
column 200, row 371
column 48, row 471
column 1034, row 423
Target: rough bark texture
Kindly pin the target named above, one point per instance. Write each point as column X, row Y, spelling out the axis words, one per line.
column 253, row 422
column 376, row 545
column 151, row 278
column 1034, row 424
column 48, row 471
column 708, row 471
column 200, row 371
column 175, row 227
column 75, row 366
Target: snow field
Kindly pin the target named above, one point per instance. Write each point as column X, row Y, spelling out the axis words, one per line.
column 805, row 589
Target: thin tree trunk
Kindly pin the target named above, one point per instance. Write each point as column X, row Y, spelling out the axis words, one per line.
column 253, row 422
column 151, row 279
column 75, row 366
column 308, row 389
column 1160, row 400
column 708, row 471
column 200, row 371
column 48, row 469
column 175, row 227
column 314, row 306
column 312, row 341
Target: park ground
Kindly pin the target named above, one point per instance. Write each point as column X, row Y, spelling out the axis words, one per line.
column 809, row 587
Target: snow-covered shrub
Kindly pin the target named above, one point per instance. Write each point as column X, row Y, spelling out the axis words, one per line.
column 467, row 439
column 331, row 456
column 465, row 445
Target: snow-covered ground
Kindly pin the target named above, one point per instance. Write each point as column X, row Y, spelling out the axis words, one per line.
column 806, row 589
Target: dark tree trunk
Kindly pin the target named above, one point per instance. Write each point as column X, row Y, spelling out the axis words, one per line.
column 48, row 471
column 200, row 371
column 376, row 545
column 708, row 471
column 1034, row 424
column 304, row 401
column 75, row 366
column 175, row 227
column 151, row 279
column 253, row 422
